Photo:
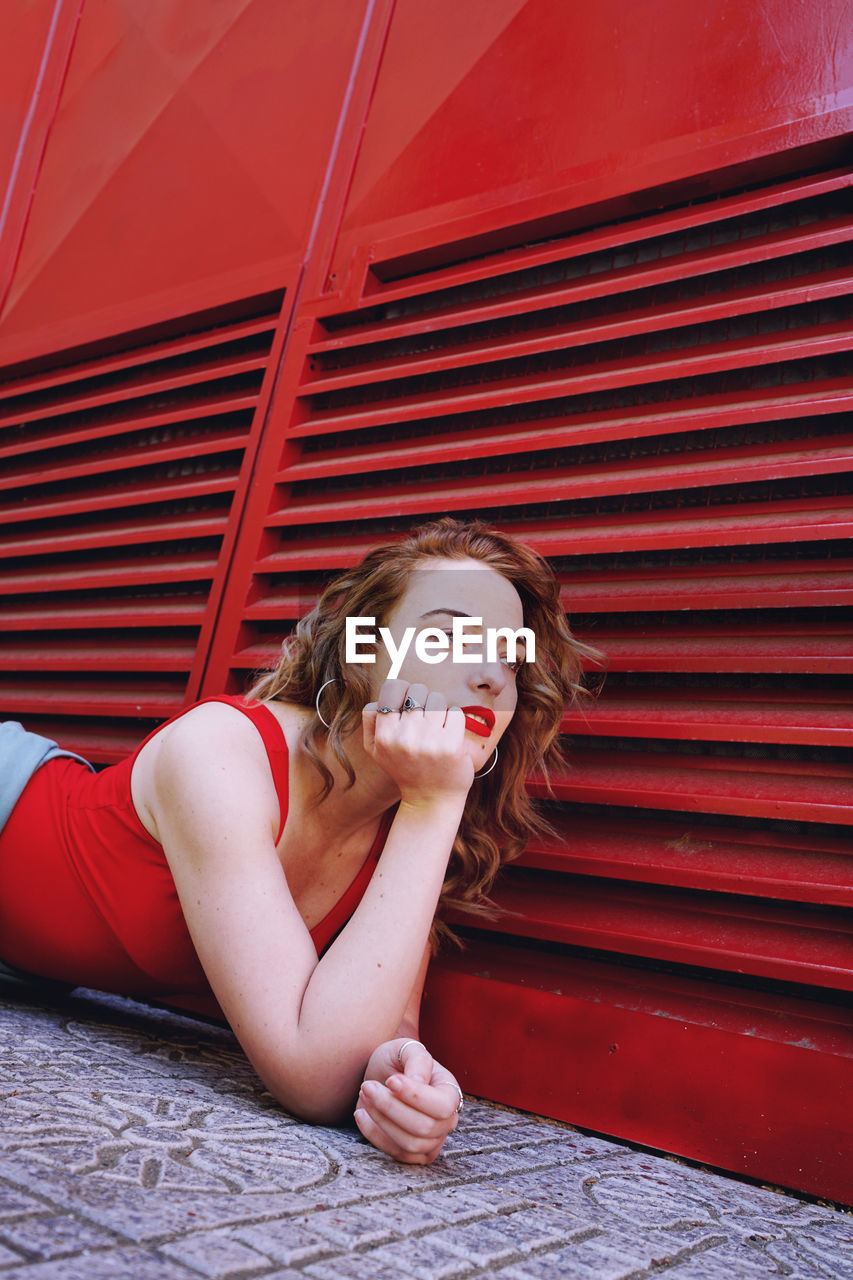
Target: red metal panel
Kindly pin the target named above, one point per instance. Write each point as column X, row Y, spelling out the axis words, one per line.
column 744, row 1080
column 164, row 426
column 184, row 165
column 499, row 113
column 36, row 44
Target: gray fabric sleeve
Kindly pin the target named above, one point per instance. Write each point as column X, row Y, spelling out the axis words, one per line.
column 21, row 753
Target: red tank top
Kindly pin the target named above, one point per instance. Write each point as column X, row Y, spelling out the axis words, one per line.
column 86, row 894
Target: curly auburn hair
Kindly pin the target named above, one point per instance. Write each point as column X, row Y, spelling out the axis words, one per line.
column 499, row 816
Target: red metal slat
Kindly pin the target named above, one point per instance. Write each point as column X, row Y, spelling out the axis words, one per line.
column 120, row 654
column 793, row 520
column 816, row 868
column 718, row 715
column 26, row 698
column 136, row 492
column 262, row 656
column 771, row 585
column 670, row 416
column 805, row 791
column 623, row 322
column 58, row 615
column 146, row 530
column 508, row 298
column 812, row 945
column 711, row 214
column 278, row 606
column 49, row 470
column 742, row 464
column 607, row 374
column 81, row 576
column 717, row 525
column 781, row 647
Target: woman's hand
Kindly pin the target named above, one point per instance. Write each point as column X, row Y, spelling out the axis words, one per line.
column 409, row 1113
column 422, row 750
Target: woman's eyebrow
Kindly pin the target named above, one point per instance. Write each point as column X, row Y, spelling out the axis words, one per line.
column 453, row 613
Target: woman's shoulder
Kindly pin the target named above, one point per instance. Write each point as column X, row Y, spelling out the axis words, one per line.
column 231, row 730
column 219, row 717
column 210, row 756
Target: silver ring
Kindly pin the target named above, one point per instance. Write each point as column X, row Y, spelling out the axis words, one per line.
column 403, row 1046
column 411, row 705
column 451, row 1084
column 385, row 711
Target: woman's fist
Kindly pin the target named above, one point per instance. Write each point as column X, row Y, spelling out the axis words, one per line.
column 420, row 742
column 407, row 1111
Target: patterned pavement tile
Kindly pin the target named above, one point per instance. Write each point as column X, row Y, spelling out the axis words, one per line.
column 118, row 1264
column 15, row 1203
column 217, row 1255
column 291, row 1241
column 138, row 1143
column 53, row 1235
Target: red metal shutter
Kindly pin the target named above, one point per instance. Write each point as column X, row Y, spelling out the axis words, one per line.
column 118, row 466
column 659, row 406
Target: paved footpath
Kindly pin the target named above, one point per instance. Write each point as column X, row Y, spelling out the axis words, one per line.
column 136, row 1143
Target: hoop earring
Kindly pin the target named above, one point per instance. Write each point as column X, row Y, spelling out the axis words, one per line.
column 317, row 704
column 490, row 768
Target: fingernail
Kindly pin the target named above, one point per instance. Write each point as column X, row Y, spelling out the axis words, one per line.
column 370, row 1088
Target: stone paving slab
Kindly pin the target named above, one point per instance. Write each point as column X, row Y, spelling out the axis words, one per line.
column 138, row 1143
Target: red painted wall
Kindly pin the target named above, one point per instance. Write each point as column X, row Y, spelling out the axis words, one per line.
column 185, row 162
column 277, row 287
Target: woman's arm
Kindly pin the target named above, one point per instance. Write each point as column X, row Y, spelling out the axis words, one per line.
column 408, row 1112
column 307, row 1026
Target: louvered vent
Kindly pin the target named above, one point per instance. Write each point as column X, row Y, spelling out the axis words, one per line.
column 660, row 407
column 118, row 466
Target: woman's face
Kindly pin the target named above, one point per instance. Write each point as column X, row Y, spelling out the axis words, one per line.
column 439, row 591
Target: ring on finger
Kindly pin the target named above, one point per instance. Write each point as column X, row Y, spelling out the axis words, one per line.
column 386, row 711
column 411, row 705
column 454, row 1085
column 400, row 1052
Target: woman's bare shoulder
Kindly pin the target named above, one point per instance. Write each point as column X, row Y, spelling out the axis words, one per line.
column 206, row 727
column 213, row 752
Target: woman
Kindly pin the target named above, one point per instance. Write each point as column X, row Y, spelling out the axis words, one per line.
column 376, row 798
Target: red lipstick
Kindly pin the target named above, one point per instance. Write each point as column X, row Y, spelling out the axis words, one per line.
column 480, row 720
